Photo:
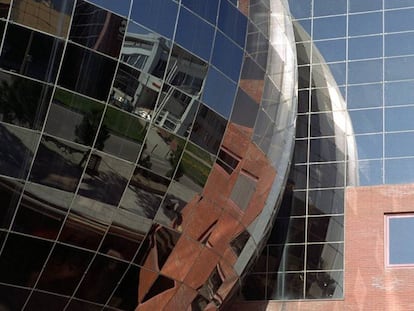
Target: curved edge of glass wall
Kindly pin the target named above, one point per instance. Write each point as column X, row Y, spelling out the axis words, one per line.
column 283, row 124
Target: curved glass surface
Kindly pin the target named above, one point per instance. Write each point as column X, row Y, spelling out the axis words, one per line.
column 145, row 146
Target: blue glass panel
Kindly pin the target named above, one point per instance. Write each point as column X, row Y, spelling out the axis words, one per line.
column 332, row 50
column 364, row 24
column 232, row 22
column 399, row 68
column 159, row 15
column 227, row 57
column 364, row 96
column 365, row 71
column 399, row 93
column 119, row 6
column 206, row 9
column 219, row 92
column 365, row 47
column 369, row 146
column 329, row 27
column 369, row 172
column 398, row 44
column 329, row 7
column 194, row 34
column 399, row 118
column 360, row 6
column 339, row 72
column 399, row 171
column 399, row 144
column 399, row 20
column 300, row 9
column 400, row 239
column 366, row 121
column 389, row 4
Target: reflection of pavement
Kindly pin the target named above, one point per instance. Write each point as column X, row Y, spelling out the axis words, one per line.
column 65, row 121
column 184, row 180
column 159, row 151
column 141, row 202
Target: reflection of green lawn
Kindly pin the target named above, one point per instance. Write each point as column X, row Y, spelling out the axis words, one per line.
column 116, row 121
column 199, row 153
column 124, row 124
column 194, row 169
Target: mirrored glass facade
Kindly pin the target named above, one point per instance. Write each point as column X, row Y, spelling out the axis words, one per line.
column 145, row 145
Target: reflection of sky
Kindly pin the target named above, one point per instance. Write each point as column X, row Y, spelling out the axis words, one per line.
column 401, row 242
column 118, row 6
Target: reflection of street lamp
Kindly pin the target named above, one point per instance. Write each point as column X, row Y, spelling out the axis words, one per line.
column 27, row 57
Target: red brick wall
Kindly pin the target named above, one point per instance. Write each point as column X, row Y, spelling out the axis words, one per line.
column 369, row 285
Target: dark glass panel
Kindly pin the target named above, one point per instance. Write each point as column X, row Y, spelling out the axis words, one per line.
column 326, row 229
column 144, row 193
column 120, row 6
column 285, row 286
column 302, row 123
column 64, row 270
column 23, row 102
column 42, row 211
column 227, row 57
column 126, row 295
column 78, row 305
column 186, row 71
column 303, row 77
column 105, row 179
column 52, row 17
column 74, row 117
column 254, row 287
column 125, row 235
column 162, row 151
column 31, row 53
column 16, row 153
column 207, row 10
column 160, row 285
column 298, row 205
column 298, row 175
column 288, row 230
column 322, row 124
column 79, row 65
column 157, row 247
column 286, row 258
column 194, row 34
column 322, row 285
column 303, row 101
column 301, row 151
column 159, row 15
column 232, row 22
column 171, row 211
column 4, row 8
column 100, row 280
column 325, row 256
column 121, row 134
column 58, row 164
column 145, row 50
column 208, row 129
column 22, row 260
column 329, row 201
column 97, row 29
column 245, row 110
column 12, row 298
column 327, row 149
column 219, row 92
column 45, row 301
column 326, row 175
column 10, row 191
column 175, row 111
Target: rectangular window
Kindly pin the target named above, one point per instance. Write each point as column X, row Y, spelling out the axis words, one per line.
column 399, row 246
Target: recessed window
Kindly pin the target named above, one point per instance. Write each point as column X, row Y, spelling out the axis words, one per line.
column 399, row 244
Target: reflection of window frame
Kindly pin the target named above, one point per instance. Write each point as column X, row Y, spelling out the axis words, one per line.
column 387, row 232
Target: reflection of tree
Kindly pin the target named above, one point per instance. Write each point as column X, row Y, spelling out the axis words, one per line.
column 85, row 132
column 20, row 100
